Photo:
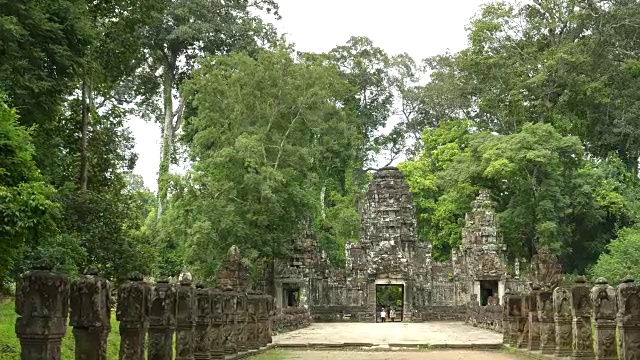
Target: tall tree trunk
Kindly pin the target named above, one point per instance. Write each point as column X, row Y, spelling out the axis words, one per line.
column 323, row 192
column 84, row 156
column 167, row 138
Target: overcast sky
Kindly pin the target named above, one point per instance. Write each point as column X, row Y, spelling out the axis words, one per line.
column 421, row 28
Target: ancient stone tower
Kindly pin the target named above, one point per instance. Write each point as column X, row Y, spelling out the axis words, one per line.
column 388, row 216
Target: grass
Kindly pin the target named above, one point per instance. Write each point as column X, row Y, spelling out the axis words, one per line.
column 10, row 345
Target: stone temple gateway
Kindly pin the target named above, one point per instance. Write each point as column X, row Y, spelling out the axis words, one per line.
column 389, row 253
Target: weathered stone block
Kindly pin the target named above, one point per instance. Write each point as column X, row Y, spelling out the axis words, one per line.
column 90, row 315
column 203, row 324
column 534, row 324
column 132, row 312
column 581, row 312
column 563, row 322
column 218, row 318
column 603, row 300
column 162, row 320
column 547, row 324
column 186, row 319
column 42, row 305
column 628, row 319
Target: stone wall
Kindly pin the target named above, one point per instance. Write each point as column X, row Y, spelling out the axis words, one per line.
column 291, row 319
column 204, row 323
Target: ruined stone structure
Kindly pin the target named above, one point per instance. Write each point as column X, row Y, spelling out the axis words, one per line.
column 151, row 316
column 389, row 253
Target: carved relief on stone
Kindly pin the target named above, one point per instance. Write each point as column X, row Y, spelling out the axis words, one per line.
column 203, row 324
column 581, row 311
column 132, row 313
column 563, row 321
column 162, row 320
column 628, row 318
column 186, row 319
column 90, row 305
column 547, row 323
column 546, row 270
column 42, row 305
column 604, row 307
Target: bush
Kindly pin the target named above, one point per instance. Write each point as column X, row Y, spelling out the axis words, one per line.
column 621, row 257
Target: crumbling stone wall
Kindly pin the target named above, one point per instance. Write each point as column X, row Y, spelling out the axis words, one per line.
column 206, row 323
column 291, row 319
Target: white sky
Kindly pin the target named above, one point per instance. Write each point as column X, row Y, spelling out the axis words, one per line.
column 421, row 28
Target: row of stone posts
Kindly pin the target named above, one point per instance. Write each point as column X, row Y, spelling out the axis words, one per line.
column 206, row 323
column 564, row 322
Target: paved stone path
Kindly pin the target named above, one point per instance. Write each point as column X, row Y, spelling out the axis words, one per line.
column 431, row 333
column 415, row 355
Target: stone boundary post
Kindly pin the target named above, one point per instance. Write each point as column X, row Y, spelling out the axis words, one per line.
column 90, row 305
column 230, row 302
column 42, row 304
column 253, row 302
column 506, row 328
column 523, row 332
column 185, row 319
column 534, row 324
column 581, row 312
column 628, row 319
column 217, row 325
column 547, row 324
column 203, row 324
column 563, row 322
column 162, row 320
column 605, row 307
column 132, row 313
column 240, row 336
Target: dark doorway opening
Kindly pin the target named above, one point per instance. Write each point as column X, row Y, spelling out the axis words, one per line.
column 291, row 296
column 489, row 292
column 391, row 299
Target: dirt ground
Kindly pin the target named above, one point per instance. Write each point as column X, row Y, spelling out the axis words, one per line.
column 392, row 355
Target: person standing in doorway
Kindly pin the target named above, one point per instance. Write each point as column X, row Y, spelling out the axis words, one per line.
column 383, row 315
column 392, row 315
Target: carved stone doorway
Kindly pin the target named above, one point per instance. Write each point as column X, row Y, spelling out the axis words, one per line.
column 489, row 290
column 390, row 297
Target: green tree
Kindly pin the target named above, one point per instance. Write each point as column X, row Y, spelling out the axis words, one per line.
column 620, row 259
column 262, row 133
column 26, row 209
column 178, row 34
column 548, row 193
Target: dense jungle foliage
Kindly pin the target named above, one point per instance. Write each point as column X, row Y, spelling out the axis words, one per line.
column 542, row 107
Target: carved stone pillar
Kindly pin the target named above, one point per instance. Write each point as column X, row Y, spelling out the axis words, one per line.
column 547, row 324
column 534, row 324
column 563, row 319
column 270, row 314
column 217, row 325
column 132, row 313
column 162, row 320
column 253, row 302
column 603, row 300
column 202, row 336
column 240, row 336
column 581, row 312
column 263, row 319
column 230, row 299
column 90, row 301
column 186, row 319
column 523, row 324
column 506, row 328
column 628, row 318
column 42, row 305
column 514, row 316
